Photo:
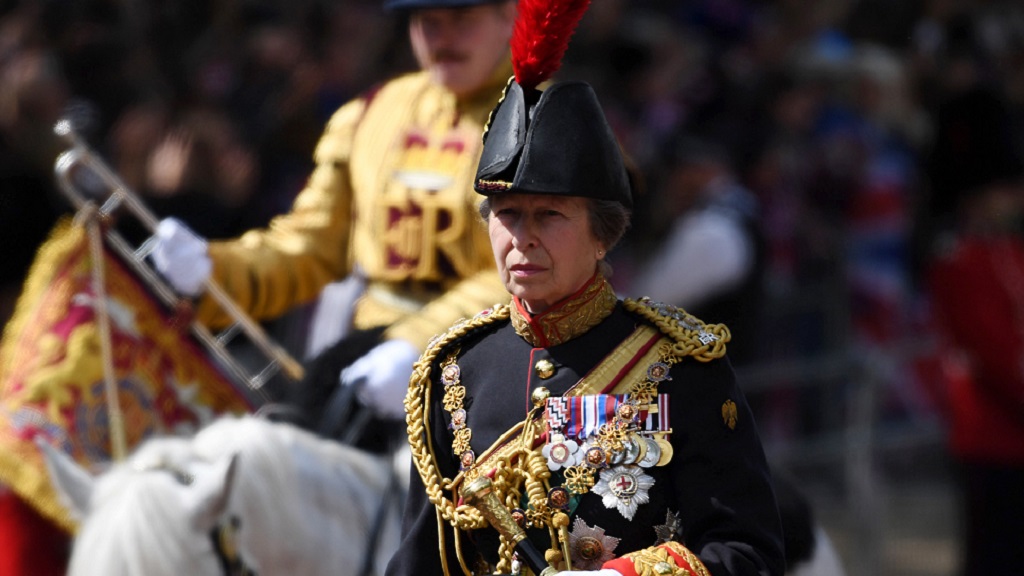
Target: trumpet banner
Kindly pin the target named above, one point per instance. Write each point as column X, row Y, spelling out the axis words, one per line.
column 51, row 369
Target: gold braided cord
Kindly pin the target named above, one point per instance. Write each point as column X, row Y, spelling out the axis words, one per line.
column 539, row 472
column 417, row 401
column 506, row 482
column 505, row 552
column 440, row 542
column 536, row 466
column 685, row 330
column 516, row 465
column 536, row 480
column 506, row 548
column 690, row 558
column 458, row 549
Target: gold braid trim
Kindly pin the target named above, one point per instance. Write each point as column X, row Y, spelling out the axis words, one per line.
column 417, row 401
column 659, row 561
column 577, row 315
column 490, row 117
column 695, row 564
column 517, row 467
column 692, row 337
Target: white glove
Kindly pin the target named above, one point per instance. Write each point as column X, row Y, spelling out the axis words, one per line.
column 601, row 572
column 382, row 376
column 181, row 257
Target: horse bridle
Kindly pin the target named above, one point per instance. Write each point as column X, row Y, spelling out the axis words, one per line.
column 223, row 538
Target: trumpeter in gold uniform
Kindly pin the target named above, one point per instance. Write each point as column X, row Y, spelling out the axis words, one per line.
column 390, row 198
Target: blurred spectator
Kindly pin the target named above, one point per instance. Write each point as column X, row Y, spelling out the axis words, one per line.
column 33, row 94
column 195, row 167
column 871, row 138
column 977, row 285
column 880, row 132
column 711, row 261
column 781, row 175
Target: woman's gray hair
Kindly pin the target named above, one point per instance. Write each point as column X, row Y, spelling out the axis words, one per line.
column 609, row 220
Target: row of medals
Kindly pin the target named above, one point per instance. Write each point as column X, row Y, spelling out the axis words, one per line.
column 619, row 452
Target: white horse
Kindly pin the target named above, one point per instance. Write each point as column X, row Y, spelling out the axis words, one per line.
column 245, row 495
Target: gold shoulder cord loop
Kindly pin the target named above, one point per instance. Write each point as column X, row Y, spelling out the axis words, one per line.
column 692, row 337
column 417, row 402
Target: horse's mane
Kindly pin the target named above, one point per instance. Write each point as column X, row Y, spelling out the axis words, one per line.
column 328, row 493
column 137, row 524
column 303, row 504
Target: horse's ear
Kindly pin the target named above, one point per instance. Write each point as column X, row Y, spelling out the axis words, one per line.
column 208, row 497
column 73, row 483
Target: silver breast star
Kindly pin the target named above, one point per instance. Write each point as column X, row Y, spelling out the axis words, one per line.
column 589, row 546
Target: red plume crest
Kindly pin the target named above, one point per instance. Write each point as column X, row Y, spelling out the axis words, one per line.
column 541, row 36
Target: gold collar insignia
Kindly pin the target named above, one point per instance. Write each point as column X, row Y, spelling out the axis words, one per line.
column 572, row 317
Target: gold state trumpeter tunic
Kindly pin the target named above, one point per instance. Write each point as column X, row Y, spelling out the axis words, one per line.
column 391, row 194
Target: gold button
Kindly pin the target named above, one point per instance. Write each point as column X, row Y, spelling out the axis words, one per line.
column 540, row 396
column 545, row 369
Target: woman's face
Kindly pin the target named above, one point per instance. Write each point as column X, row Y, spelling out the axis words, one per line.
column 543, row 245
column 462, row 47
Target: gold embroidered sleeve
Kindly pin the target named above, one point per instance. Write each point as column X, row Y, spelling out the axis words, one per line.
column 669, row 559
column 464, row 300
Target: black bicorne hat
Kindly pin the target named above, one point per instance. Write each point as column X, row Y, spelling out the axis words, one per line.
column 552, row 142
column 556, row 141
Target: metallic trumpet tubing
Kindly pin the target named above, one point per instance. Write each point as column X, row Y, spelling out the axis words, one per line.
column 119, row 195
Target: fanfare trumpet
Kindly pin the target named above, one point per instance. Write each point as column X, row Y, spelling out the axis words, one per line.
column 80, row 154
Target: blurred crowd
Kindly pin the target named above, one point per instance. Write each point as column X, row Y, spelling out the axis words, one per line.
column 823, row 113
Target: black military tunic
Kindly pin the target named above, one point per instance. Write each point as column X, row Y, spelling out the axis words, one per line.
column 716, row 483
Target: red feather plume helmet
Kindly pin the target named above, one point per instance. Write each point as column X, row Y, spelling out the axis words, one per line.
column 556, row 141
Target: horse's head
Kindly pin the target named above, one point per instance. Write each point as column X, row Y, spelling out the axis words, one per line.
column 152, row 514
column 296, row 492
column 303, row 505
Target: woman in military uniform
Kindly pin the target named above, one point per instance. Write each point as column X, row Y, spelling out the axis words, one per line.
column 611, row 432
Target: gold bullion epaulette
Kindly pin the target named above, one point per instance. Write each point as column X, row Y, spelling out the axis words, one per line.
column 692, row 337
